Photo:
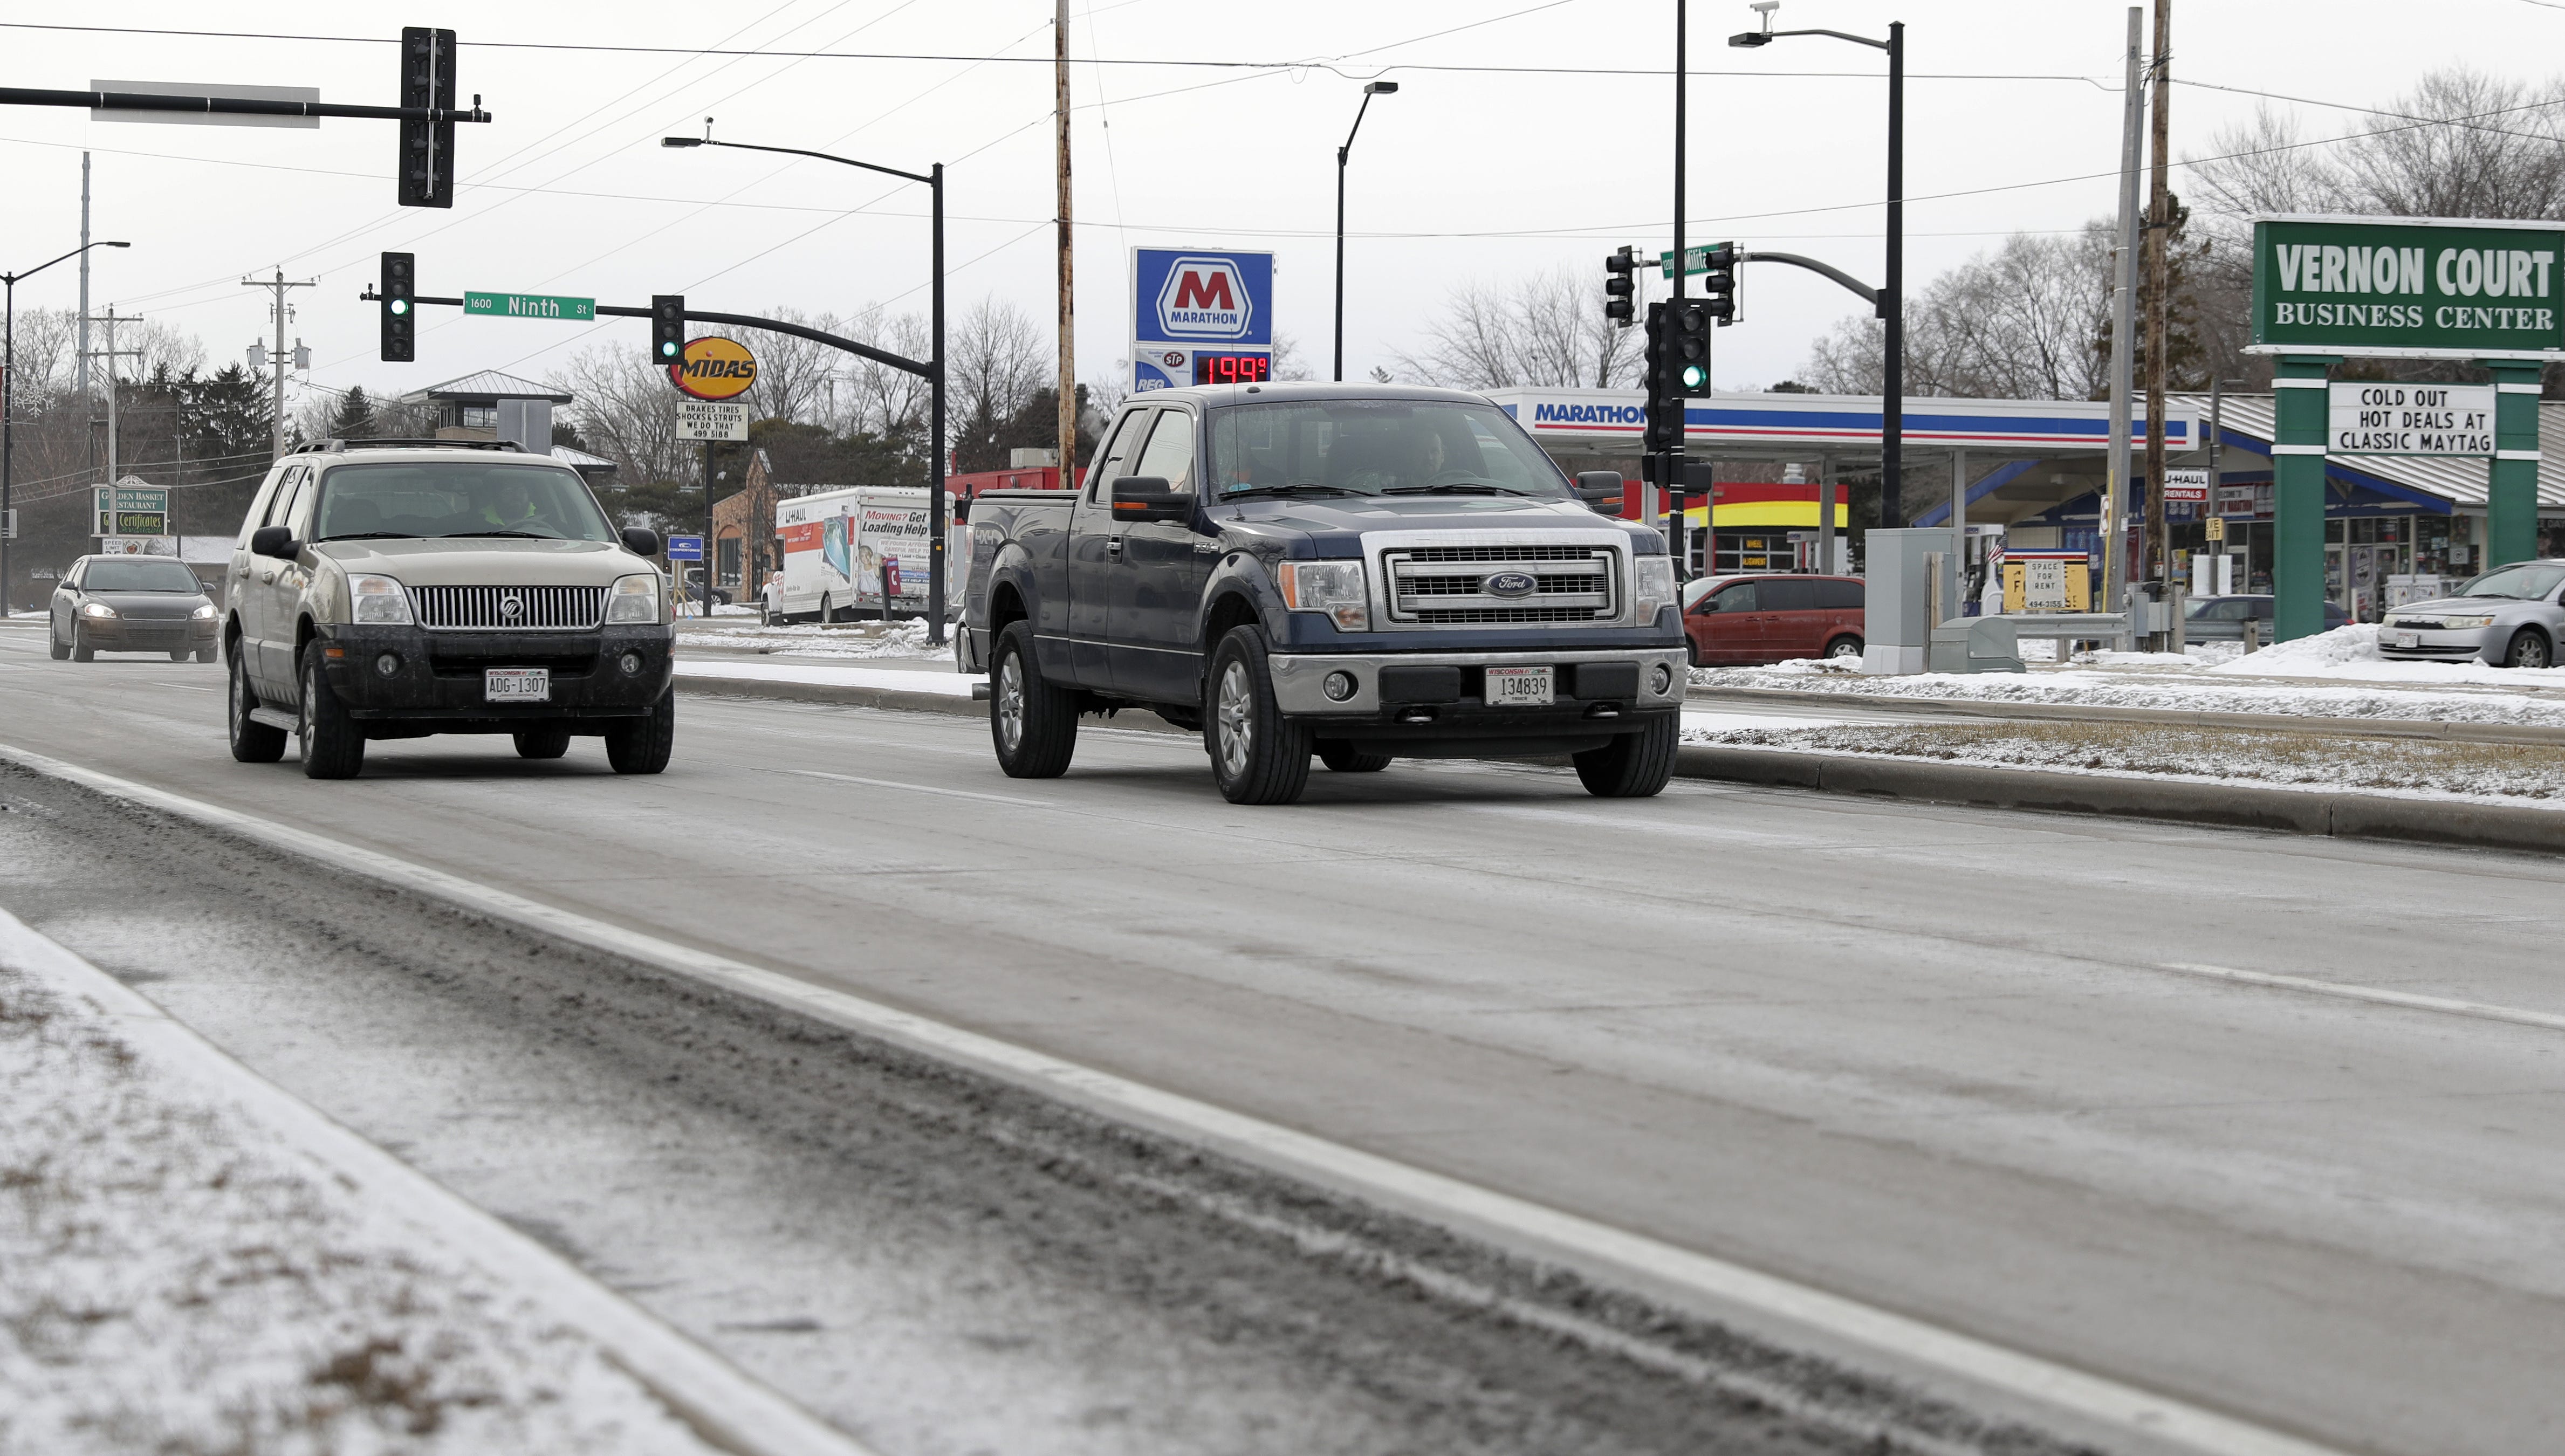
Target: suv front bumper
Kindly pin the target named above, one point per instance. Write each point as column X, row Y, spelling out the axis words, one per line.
column 439, row 675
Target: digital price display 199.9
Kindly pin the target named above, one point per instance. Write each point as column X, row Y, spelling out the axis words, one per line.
column 1233, row 369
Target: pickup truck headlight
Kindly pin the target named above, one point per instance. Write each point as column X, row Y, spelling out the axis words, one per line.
column 97, row 609
column 1653, row 588
column 378, row 601
column 1333, row 587
column 634, row 599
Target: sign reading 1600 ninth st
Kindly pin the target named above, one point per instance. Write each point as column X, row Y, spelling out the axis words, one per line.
column 528, row 306
column 2412, row 287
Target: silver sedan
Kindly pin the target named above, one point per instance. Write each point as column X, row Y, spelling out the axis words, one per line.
column 2509, row 617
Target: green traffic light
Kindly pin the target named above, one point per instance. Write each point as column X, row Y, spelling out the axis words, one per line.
column 399, row 307
column 1694, row 376
column 668, row 350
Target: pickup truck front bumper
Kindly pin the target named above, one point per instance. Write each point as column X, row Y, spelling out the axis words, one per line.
column 1591, row 685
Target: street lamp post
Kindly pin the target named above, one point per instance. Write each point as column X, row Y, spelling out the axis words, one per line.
column 933, row 178
column 1377, row 87
column 1892, row 297
column 9, row 393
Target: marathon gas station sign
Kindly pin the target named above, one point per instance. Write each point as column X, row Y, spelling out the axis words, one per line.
column 2409, row 288
column 1201, row 316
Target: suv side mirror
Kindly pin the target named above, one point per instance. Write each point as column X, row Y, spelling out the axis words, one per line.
column 1148, row 498
column 1601, row 489
column 640, row 541
column 275, row 541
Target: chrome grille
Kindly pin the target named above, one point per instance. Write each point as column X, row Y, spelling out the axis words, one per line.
column 1446, row 585
column 509, row 609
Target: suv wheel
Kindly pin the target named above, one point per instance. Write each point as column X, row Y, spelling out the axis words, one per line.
column 1258, row 756
column 252, row 742
column 548, row 741
column 332, row 748
column 643, row 745
column 1634, row 764
column 1032, row 723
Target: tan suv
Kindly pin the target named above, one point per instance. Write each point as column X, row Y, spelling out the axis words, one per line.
column 394, row 588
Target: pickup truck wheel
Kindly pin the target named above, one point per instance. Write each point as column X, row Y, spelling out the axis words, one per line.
column 252, row 742
column 644, row 745
column 332, row 748
column 1340, row 757
column 1033, row 723
column 1256, row 755
column 549, row 741
column 1634, row 764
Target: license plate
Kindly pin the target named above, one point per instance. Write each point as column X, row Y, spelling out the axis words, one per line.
column 1519, row 687
column 2408, row 639
column 517, row 685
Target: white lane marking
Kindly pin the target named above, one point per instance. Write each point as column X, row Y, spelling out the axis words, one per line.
column 1435, row 1197
column 2410, row 1001
column 926, row 789
column 729, row 1408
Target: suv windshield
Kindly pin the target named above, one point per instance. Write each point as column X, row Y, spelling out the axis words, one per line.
column 1378, row 447
column 2527, row 581
column 139, row 576
column 456, row 498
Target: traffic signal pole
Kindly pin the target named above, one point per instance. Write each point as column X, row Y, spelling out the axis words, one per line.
column 1672, row 472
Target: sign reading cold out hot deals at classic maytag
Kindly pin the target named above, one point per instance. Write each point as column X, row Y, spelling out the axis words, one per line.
column 2408, row 287
column 2408, row 420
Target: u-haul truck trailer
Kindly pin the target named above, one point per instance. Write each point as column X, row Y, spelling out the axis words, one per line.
column 836, row 543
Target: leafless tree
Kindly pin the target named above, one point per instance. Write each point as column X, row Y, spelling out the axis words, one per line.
column 998, row 357
column 1545, row 331
column 878, row 398
column 2015, row 323
column 796, row 377
column 622, row 406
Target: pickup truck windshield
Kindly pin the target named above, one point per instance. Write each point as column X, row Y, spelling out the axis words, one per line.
column 1377, row 447
column 456, row 498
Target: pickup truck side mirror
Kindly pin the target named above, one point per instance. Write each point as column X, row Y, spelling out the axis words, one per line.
column 1601, row 489
column 275, row 541
column 640, row 541
column 1148, row 498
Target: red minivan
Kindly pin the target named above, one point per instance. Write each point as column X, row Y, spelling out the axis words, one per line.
column 1730, row 620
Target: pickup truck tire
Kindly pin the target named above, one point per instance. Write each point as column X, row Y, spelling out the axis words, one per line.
column 1634, row 764
column 252, row 742
column 1258, row 756
column 333, row 746
column 1032, row 723
column 548, row 741
column 1341, row 757
column 644, row 745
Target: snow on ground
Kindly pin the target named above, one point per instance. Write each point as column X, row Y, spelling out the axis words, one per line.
column 823, row 674
column 2337, row 674
column 175, row 1277
column 810, row 640
column 2478, row 772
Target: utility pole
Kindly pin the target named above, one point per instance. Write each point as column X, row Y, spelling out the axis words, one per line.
column 276, row 361
column 2124, row 327
column 112, row 354
column 1068, row 268
column 2159, row 261
column 1672, row 472
column 83, row 297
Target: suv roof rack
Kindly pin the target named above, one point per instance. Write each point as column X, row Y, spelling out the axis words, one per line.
column 333, row 448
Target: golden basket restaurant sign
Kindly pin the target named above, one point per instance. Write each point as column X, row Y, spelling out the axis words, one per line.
column 131, row 509
column 2408, row 420
column 715, row 368
column 2418, row 287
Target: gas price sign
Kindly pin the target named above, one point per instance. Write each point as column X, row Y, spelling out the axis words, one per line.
column 1232, row 368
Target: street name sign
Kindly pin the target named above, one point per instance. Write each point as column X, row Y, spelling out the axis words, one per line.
column 528, row 306
column 685, row 548
column 2414, row 288
column 711, row 420
column 2189, row 487
column 2408, row 420
column 1695, row 260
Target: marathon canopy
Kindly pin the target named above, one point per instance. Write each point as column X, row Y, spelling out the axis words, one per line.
column 1608, row 423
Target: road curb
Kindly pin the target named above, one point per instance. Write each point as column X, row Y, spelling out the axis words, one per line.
column 2440, row 728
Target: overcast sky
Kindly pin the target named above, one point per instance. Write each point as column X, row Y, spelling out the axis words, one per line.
column 1485, row 175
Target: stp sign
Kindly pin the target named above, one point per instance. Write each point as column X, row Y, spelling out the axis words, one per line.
column 714, row 369
column 1182, row 297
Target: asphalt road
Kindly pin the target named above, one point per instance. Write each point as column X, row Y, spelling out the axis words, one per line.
column 1931, row 1058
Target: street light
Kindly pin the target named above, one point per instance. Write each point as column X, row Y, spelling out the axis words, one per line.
column 1891, row 295
column 1377, row 87
column 9, row 391
column 934, row 180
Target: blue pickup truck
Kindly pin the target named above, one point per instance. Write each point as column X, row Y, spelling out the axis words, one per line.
column 1362, row 573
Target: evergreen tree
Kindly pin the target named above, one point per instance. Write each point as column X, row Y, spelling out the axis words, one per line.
column 354, row 417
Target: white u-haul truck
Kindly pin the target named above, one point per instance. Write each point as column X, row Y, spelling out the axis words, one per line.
column 836, row 543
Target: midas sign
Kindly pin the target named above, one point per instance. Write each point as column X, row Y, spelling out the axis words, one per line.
column 715, row 368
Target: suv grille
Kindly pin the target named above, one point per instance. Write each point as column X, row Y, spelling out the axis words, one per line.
column 1446, row 585
column 509, row 609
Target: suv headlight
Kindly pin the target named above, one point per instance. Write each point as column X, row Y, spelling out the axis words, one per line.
column 1333, row 587
column 97, row 609
column 1653, row 587
column 634, row 599
column 378, row 601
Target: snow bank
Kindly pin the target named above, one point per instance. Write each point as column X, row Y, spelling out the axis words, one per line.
column 810, row 640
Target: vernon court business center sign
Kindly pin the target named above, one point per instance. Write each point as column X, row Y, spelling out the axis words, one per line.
column 2371, row 287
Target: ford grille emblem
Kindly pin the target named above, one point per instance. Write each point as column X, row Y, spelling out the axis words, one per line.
column 1510, row 583
column 511, row 608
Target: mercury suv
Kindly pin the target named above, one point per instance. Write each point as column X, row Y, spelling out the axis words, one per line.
column 395, row 588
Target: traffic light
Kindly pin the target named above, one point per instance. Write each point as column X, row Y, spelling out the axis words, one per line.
column 1719, row 284
column 1619, row 287
column 668, row 329
column 1687, row 348
column 426, row 161
column 399, row 308
column 1664, row 419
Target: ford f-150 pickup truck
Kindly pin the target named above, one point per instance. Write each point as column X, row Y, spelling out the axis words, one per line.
column 1364, row 573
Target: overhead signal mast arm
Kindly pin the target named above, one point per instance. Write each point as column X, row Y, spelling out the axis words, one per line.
column 136, row 100
column 743, row 321
column 1867, row 294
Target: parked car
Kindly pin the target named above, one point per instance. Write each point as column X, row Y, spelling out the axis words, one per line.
column 1735, row 621
column 2510, row 616
column 131, row 603
column 695, row 588
column 2222, row 618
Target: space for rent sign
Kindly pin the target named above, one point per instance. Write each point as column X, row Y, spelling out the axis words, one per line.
column 2408, row 287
